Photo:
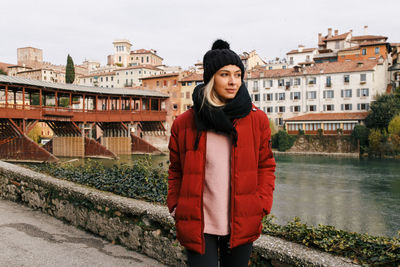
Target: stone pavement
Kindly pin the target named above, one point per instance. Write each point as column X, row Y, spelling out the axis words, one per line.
column 31, row 238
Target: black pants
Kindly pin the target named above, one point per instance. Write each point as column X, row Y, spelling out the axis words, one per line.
column 235, row 257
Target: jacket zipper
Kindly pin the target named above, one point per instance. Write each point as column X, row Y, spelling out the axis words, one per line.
column 202, row 191
column 232, row 185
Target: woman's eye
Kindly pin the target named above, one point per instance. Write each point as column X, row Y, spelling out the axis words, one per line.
column 224, row 74
column 239, row 75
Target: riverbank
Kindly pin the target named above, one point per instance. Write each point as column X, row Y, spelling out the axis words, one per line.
column 325, row 154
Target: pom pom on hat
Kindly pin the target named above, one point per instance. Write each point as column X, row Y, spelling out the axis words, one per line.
column 220, row 44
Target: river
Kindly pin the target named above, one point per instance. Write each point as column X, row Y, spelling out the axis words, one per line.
column 357, row 195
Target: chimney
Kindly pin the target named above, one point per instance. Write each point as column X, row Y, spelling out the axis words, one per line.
column 336, row 32
column 319, row 37
column 329, row 32
column 365, row 29
column 301, row 47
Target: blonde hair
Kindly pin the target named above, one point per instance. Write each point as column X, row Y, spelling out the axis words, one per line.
column 210, row 95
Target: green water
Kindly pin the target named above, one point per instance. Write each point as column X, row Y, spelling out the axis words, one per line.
column 359, row 195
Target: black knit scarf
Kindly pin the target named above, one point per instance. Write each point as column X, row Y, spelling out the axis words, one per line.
column 220, row 119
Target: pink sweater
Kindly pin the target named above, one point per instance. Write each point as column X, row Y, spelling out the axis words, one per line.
column 216, row 196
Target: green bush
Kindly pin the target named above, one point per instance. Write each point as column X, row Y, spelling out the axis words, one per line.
column 139, row 181
column 376, row 141
column 360, row 248
column 301, row 132
column 283, row 141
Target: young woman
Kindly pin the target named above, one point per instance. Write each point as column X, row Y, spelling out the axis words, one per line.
column 221, row 173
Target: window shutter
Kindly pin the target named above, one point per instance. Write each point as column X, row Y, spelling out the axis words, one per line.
column 306, row 95
column 291, row 95
column 351, row 93
column 276, row 96
column 333, row 94
column 264, row 98
column 367, row 91
column 276, row 109
column 272, row 97
column 299, row 95
column 358, row 92
column 351, row 106
column 291, row 108
column 284, row 108
column 324, row 106
column 358, row 106
column 307, row 108
column 299, row 108
column 324, row 94
column 342, row 106
column 342, row 93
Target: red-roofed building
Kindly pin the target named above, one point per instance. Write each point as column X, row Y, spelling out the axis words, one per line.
column 329, row 123
column 300, row 55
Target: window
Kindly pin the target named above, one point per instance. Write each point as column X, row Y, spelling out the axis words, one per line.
column 158, row 83
column 147, row 59
column 297, row 81
column 376, row 50
column 295, row 95
column 308, row 58
column 363, row 92
column 363, row 106
column 346, row 78
column 281, row 96
column 328, row 81
column 269, row 109
column 283, row 67
column 187, row 95
column 291, row 61
column 183, row 83
column 165, row 83
column 255, row 85
column 312, row 80
column 328, row 94
column 270, row 67
column 337, row 45
column 106, row 79
column 363, row 51
column 312, row 95
column 174, row 106
column 119, row 58
column 264, row 83
column 312, row 108
column 329, row 107
column 281, row 109
column 256, row 97
column 112, row 78
column 346, row 93
column 271, row 83
column 189, row 83
column 363, row 78
column 281, row 82
column 346, row 106
column 101, row 79
column 295, row 108
column 269, row 97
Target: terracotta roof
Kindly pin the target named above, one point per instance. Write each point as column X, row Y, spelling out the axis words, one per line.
column 330, row 116
column 395, row 44
column 305, row 50
column 335, row 37
column 193, row 77
column 4, row 66
column 159, row 76
column 350, row 48
column 141, row 51
column 367, row 37
column 317, row 69
column 149, row 67
column 367, row 43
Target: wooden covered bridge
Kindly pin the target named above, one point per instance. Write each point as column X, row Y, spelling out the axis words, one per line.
column 86, row 121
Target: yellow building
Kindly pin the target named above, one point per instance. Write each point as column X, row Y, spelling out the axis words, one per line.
column 188, row 84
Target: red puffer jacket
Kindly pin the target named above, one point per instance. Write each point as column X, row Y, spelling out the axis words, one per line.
column 252, row 179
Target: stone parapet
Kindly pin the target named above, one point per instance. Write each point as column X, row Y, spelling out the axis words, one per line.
column 138, row 225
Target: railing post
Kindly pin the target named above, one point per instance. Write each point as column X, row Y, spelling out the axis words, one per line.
column 6, row 96
column 23, row 98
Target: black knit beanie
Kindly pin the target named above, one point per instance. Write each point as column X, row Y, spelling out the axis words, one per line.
column 220, row 55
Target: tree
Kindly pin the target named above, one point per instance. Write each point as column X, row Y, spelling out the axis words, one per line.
column 394, row 125
column 35, row 133
column 360, row 133
column 382, row 111
column 273, row 127
column 70, row 70
column 3, row 72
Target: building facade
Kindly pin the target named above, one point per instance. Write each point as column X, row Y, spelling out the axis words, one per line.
column 325, row 87
column 187, row 86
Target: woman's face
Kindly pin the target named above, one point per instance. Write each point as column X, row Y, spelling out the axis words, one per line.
column 227, row 81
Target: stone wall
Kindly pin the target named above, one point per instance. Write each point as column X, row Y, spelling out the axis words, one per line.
column 138, row 225
column 324, row 144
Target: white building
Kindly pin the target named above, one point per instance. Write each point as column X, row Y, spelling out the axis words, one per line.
column 325, row 87
column 301, row 56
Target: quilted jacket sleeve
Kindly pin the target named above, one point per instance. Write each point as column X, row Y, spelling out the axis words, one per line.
column 266, row 168
column 175, row 170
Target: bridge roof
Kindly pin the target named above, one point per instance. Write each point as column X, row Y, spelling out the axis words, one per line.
column 80, row 88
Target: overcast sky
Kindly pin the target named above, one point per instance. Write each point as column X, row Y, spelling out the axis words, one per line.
column 182, row 30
